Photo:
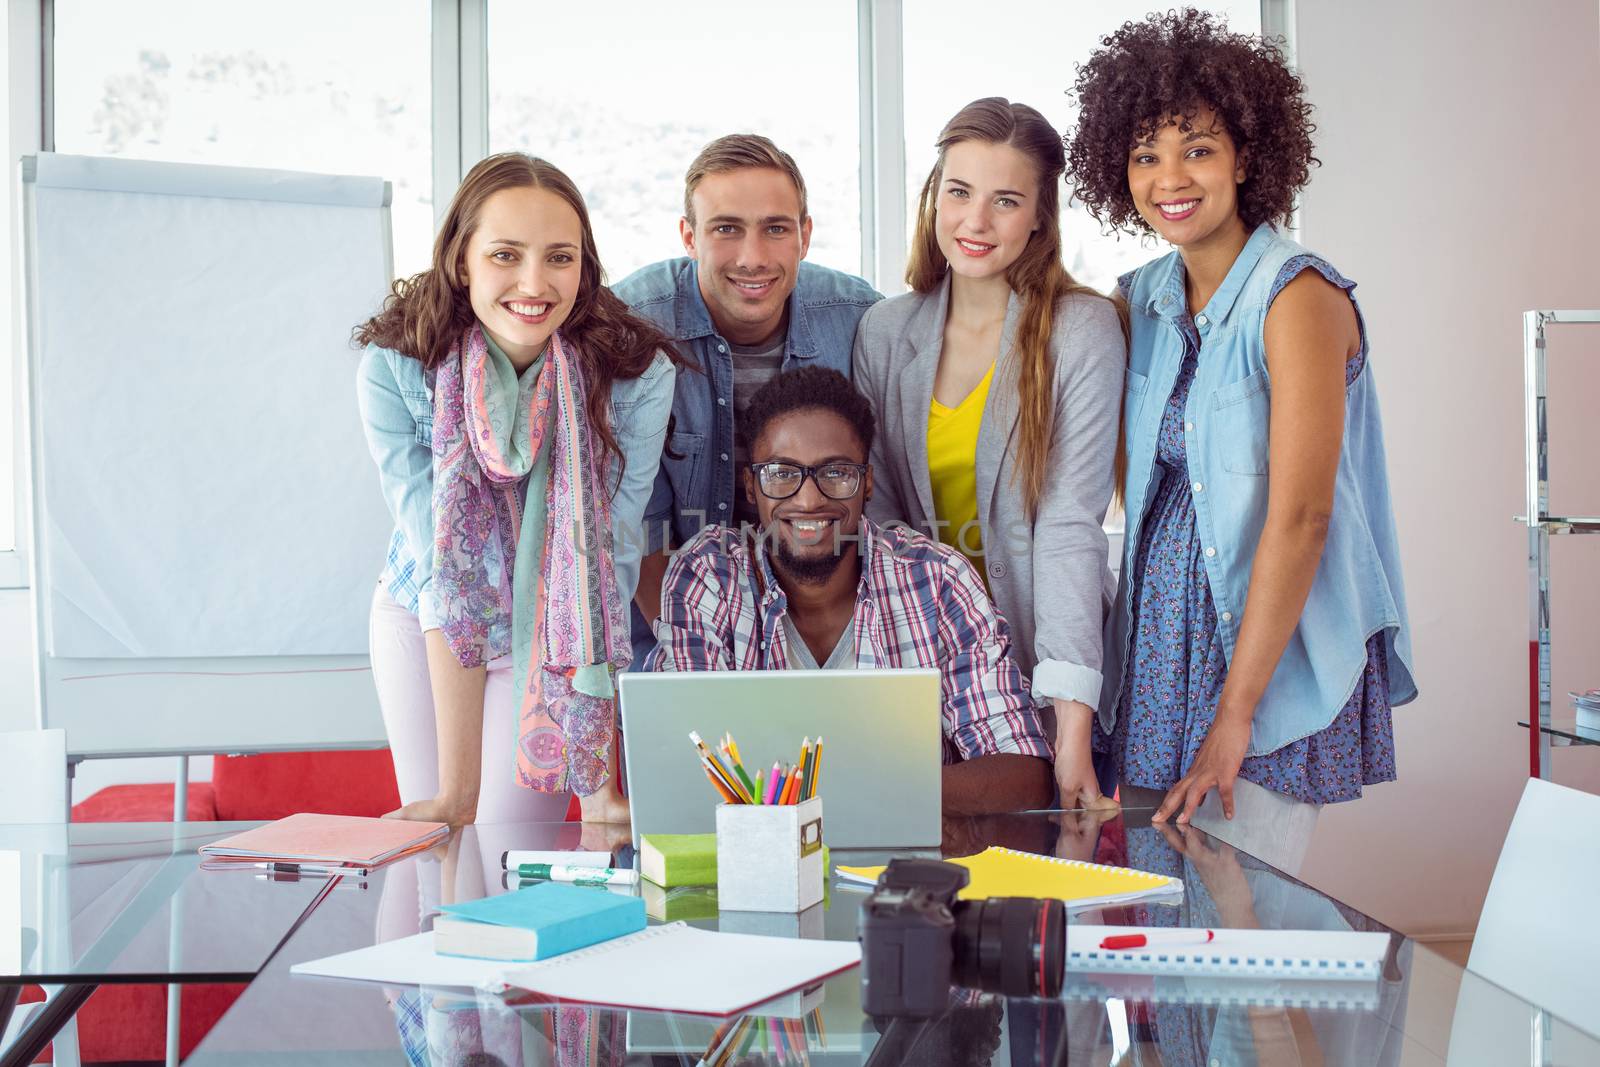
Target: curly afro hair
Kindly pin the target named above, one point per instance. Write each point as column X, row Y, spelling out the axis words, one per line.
column 1174, row 64
column 809, row 389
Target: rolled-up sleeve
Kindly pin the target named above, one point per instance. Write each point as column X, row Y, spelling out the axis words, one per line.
column 696, row 618
column 641, row 407
column 405, row 468
column 1069, row 536
column 987, row 708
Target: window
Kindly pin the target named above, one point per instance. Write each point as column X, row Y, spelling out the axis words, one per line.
column 339, row 88
column 1041, row 43
column 347, row 87
column 624, row 111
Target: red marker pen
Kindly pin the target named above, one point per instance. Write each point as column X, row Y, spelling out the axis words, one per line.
column 1158, row 938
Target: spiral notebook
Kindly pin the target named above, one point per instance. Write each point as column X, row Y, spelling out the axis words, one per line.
column 1318, row 955
column 1005, row 872
column 1220, row 992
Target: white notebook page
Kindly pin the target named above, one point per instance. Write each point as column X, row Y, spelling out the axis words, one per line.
column 677, row 967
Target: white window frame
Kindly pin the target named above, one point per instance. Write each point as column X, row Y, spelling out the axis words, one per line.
column 460, row 83
column 27, row 132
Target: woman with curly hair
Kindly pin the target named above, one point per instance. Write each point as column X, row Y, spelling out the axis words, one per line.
column 996, row 381
column 1260, row 636
column 516, row 411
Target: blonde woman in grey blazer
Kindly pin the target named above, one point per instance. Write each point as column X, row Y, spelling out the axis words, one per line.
column 992, row 307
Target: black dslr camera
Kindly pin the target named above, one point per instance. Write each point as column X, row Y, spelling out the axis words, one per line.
column 917, row 941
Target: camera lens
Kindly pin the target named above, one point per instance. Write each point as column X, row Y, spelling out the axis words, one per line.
column 1010, row 945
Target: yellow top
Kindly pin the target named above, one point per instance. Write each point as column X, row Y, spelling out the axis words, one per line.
column 952, row 459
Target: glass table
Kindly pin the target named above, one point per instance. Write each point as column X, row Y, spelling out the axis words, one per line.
column 126, row 903
column 1424, row 1010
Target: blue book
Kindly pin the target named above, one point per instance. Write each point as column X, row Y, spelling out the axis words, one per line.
column 536, row 923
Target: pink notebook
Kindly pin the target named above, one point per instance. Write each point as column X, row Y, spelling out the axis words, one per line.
column 327, row 840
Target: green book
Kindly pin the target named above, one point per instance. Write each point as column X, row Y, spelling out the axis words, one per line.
column 671, row 860
column 684, row 902
column 678, row 859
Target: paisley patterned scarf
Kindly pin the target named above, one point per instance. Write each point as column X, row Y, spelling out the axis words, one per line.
column 561, row 615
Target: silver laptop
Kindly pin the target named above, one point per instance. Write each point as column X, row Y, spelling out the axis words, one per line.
column 879, row 777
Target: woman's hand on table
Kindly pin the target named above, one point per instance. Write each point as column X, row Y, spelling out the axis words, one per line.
column 1076, row 781
column 1215, row 766
column 455, row 812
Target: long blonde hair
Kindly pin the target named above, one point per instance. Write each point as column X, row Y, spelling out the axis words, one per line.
column 1038, row 275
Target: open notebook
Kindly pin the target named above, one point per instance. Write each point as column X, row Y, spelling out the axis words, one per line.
column 674, row 967
column 1004, row 872
column 1318, row 955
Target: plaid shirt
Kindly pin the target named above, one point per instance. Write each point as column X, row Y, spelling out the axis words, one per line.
column 919, row 604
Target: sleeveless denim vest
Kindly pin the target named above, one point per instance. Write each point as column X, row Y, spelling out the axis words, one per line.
column 1357, row 590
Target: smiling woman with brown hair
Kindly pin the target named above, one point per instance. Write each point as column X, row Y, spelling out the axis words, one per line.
column 516, row 412
column 1260, row 636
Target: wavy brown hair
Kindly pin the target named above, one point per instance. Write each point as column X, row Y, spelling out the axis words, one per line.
column 426, row 314
column 1038, row 276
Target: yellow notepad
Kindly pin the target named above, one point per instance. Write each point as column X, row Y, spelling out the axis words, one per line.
column 1004, row 872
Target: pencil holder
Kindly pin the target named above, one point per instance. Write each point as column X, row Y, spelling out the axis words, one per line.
column 769, row 856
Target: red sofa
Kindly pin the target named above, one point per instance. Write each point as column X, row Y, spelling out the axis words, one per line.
column 128, row 1022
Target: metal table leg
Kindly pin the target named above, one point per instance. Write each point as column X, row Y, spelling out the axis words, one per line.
column 46, row 1024
column 8, row 1004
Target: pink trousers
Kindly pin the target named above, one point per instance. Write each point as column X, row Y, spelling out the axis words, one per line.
column 400, row 671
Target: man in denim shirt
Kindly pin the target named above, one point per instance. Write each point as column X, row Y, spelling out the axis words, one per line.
column 742, row 306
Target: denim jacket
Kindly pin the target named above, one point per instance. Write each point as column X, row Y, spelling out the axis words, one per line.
column 1357, row 590
column 396, row 399
column 697, row 481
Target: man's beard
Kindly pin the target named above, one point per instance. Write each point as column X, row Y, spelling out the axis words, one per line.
column 807, row 570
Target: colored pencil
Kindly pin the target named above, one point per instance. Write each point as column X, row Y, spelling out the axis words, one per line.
column 758, row 792
column 735, row 779
column 714, row 766
column 726, row 763
column 816, row 768
column 805, row 771
column 749, row 786
column 792, row 792
column 728, row 781
column 774, row 781
column 717, row 784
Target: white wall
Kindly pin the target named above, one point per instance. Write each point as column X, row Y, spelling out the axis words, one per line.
column 1457, row 189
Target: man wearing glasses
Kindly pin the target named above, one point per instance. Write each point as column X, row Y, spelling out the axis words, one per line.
column 741, row 305
column 820, row 585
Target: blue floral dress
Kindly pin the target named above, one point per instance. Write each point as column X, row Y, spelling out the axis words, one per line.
column 1176, row 665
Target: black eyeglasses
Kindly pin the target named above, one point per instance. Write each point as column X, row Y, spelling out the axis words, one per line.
column 780, row 481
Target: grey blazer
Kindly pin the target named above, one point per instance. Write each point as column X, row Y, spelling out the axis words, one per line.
column 1050, row 578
